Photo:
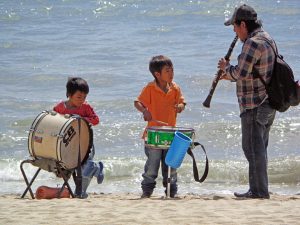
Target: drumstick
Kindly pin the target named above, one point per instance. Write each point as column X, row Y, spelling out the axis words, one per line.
column 161, row 122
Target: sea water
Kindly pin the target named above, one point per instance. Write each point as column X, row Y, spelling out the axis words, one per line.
column 109, row 43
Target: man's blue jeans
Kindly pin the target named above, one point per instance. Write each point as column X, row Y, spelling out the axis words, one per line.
column 155, row 157
column 256, row 124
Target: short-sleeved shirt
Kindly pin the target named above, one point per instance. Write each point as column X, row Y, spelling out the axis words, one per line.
column 85, row 110
column 161, row 105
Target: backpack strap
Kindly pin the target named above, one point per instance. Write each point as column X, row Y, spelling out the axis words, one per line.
column 275, row 52
column 269, row 42
column 195, row 169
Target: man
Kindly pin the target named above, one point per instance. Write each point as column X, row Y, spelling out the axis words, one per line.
column 257, row 58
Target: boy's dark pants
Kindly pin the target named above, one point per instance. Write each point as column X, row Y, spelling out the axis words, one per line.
column 155, row 157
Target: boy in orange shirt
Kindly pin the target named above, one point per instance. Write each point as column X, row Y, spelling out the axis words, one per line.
column 160, row 100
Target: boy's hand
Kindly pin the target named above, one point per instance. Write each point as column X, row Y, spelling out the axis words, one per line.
column 147, row 115
column 179, row 107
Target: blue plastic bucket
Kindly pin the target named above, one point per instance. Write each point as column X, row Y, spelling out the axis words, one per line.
column 177, row 150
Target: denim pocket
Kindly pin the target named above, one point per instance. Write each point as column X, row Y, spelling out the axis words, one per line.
column 247, row 116
column 265, row 114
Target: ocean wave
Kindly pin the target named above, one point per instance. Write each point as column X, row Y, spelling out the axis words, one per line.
column 281, row 170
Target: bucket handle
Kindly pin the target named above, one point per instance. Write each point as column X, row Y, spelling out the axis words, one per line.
column 195, row 169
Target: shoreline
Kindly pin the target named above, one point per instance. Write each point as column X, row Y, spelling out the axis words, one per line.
column 129, row 208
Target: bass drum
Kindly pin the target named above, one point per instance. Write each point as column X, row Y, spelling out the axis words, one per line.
column 58, row 137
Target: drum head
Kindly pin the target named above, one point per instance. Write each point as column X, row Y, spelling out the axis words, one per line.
column 69, row 144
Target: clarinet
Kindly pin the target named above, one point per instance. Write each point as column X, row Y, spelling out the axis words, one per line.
column 207, row 101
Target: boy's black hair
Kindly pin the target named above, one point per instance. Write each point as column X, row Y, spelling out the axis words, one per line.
column 158, row 62
column 76, row 84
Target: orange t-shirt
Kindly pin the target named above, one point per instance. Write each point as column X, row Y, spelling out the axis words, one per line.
column 160, row 104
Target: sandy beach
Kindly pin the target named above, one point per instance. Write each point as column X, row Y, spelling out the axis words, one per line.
column 131, row 209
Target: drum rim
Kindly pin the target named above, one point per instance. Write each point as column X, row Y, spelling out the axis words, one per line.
column 168, row 128
column 153, row 146
column 165, row 147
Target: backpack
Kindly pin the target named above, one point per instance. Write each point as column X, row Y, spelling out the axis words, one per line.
column 283, row 90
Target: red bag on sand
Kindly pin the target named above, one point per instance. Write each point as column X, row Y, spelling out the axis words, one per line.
column 44, row 192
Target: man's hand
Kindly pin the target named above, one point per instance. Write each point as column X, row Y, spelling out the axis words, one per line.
column 222, row 64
